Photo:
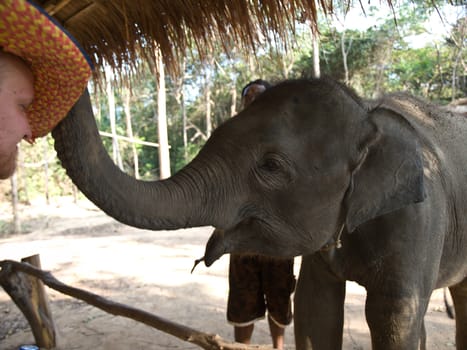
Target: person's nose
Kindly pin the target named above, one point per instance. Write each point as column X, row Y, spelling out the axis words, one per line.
column 26, row 130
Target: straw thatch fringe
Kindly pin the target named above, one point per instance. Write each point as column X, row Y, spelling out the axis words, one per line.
column 121, row 31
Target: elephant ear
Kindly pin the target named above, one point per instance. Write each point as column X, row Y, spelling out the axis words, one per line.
column 389, row 173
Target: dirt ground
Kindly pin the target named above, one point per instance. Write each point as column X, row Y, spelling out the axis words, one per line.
column 149, row 270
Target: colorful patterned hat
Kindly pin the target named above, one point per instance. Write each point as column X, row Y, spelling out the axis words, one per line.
column 60, row 67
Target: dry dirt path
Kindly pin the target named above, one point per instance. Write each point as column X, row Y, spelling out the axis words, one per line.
column 150, row 270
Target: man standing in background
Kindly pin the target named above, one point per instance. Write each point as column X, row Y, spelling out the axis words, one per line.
column 257, row 283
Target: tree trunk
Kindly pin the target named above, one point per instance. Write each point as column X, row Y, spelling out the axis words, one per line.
column 112, row 116
column 208, row 77
column 454, row 75
column 384, row 56
column 459, row 40
column 180, row 98
column 184, row 126
column 22, row 176
column 233, row 105
column 345, row 53
column 14, row 204
column 251, row 65
column 129, row 130
column 74, row 191
column 164, row 156
column 286, row 64
column 316, row 64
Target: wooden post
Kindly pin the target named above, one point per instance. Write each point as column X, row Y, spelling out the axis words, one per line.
column 29, row 295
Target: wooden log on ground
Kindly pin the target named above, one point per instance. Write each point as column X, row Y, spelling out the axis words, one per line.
column 204, row 340
column 29, row 295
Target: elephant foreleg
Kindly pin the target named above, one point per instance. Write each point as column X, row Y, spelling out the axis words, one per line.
column 459, row 298
column 319, row 307
column 395, row 323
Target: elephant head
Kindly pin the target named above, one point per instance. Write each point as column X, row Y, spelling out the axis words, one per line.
column 281, row 178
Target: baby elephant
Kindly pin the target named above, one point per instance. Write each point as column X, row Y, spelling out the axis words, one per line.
column 369, row 192
column 373, row 193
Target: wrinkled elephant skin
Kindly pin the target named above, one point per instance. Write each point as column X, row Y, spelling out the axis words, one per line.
column 307, row 167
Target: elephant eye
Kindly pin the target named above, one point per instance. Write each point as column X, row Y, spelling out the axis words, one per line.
column 274, row 171
column 270, row 164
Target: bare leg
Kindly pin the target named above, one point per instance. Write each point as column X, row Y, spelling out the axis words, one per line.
column 459, row 298
column 277, row 334
column 243, row 334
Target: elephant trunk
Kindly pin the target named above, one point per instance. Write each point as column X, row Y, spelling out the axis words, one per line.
column 177, row 202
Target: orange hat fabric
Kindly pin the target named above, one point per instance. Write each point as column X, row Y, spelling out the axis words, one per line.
column 60, row 67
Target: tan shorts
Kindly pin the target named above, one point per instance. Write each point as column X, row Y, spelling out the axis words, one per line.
column 258, row 283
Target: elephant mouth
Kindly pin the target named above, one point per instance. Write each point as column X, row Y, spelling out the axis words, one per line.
column 235, row 240
column 221, row 242
column 252, row 236
column 215, row 248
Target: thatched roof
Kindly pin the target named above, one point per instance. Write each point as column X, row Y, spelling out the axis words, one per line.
column 118, row 31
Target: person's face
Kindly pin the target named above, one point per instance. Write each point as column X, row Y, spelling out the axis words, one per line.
column 16, row 94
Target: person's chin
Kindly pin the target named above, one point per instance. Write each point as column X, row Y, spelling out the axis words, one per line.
column 8, row 164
